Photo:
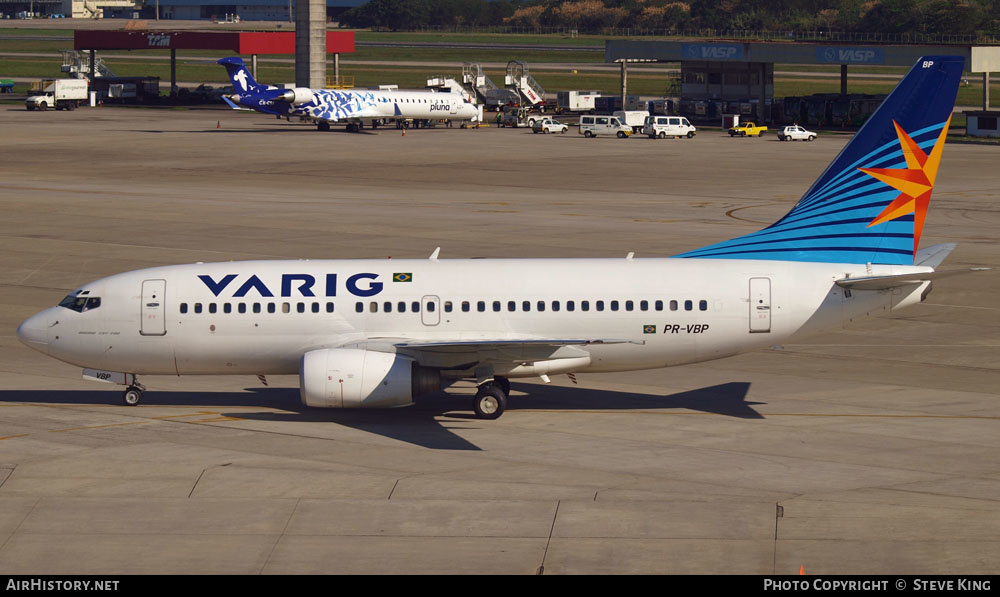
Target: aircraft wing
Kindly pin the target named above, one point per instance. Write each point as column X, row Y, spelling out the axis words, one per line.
column 461, row 353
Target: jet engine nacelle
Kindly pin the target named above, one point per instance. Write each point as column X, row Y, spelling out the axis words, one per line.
column 355, row 378
column 298, row 95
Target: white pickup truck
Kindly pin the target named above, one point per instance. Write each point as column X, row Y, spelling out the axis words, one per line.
column 61, row 94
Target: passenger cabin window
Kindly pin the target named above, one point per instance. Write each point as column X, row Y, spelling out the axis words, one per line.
column 241, row 307
column 703, row 305
column 688, row 305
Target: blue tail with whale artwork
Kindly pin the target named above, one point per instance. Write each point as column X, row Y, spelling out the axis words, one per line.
column 870, row 204
column 251, row 94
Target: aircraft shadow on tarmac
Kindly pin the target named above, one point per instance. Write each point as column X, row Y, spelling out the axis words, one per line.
column 430, row 423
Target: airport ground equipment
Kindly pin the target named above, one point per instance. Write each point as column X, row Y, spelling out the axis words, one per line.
column 633, row 118
column 77, row 65
column 477, row 82
column 523, row 83
column 61, row 94
column 577, row 101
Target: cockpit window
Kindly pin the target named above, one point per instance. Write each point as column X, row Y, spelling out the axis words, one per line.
column 80, row 303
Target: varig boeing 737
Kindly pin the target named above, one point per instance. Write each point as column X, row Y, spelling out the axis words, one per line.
column 353, row 106
column 377, row 333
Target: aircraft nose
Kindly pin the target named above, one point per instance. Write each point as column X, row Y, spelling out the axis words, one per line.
column 34, row 331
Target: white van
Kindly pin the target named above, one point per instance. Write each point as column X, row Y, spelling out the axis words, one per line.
column 591, row 126
column 668, row 126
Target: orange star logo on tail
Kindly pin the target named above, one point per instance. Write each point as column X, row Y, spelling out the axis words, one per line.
column 914, row 183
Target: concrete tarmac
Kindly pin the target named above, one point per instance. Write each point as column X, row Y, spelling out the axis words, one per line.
column 867, row 449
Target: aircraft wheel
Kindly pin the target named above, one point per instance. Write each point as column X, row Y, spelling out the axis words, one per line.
column 132, row 396
column 490, row 402
column 503, row 383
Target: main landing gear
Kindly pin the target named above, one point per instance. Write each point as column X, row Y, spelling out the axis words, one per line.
column 491, row 398
column 132, row 395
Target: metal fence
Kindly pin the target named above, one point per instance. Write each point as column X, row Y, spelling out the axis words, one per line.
column 738, row 34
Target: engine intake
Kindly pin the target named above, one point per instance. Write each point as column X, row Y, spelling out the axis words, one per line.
column 356, row 378
column 298, row 95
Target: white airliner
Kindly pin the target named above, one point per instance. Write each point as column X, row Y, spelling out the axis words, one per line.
column 352, row 106
column 377, row 333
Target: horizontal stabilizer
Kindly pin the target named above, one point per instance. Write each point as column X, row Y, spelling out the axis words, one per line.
column 233, row 105
column 934, row 256
column 900, row 280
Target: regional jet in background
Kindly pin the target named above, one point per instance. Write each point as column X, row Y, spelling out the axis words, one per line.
column 351, row 106
column 377, row 333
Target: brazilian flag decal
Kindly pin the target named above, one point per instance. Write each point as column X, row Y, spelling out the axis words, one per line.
column 405, row 277
column 649, row 329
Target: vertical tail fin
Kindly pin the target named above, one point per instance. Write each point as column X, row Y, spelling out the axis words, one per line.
column 243, row 81
column 869, row 205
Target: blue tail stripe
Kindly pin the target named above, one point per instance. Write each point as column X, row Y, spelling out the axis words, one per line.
column 875, row 197
column 872, row 161
column 854, row 173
